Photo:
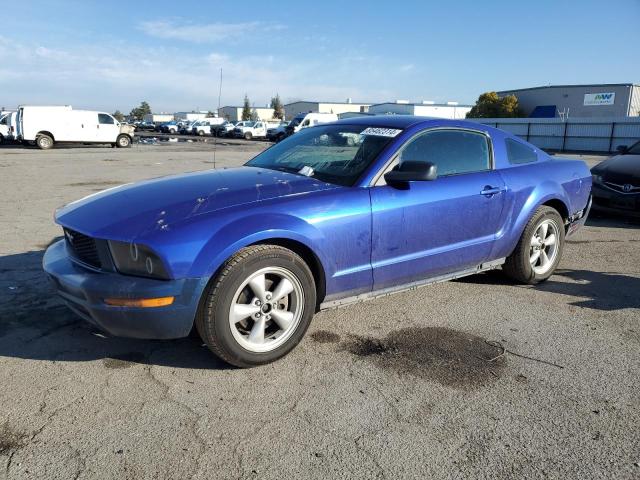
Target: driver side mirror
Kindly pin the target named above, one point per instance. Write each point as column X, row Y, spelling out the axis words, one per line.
column 622, row 149
column 412, row 171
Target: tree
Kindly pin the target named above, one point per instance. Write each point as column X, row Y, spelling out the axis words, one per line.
column 246, row 109
column 278, row 108
column 211, row 114
column 490, row 105
column 118, row 115
column 138, row 113
column 254, row 115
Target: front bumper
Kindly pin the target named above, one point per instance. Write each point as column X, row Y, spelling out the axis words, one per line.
column 84, row 291
column 611, row 201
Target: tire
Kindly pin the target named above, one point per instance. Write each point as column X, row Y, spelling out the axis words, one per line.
column 172, row 131
column 201, row 133
column 519, row 265
column 44, row 142
column 248, row 136
column 1, row 139
column 240, row 343
column 123, row 141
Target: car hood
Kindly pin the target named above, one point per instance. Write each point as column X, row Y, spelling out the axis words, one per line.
column 128, row 211
column 621, row 168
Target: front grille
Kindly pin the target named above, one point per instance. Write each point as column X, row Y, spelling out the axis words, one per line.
column 83, row 247
column 623, row 187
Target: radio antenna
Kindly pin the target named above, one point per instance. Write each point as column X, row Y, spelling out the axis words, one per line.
column 217, row 131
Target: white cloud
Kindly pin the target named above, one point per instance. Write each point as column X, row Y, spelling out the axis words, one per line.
column 204, row 33
column 407, row 67
column 120, row 75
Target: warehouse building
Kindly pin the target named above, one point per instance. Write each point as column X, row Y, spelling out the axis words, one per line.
column 579, row 101
column 158, row 117
column 451, row 110
column 191, row 116
column 294, row 108
column 234, row 114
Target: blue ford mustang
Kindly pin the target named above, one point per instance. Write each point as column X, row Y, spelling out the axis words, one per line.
column 334, row 214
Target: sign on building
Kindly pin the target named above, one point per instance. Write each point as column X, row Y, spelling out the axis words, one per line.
column 599, row 99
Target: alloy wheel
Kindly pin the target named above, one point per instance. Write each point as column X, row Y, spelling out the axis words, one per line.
column 544, row 247
column 266, row 309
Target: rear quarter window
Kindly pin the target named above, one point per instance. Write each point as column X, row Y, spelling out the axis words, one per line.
column 518, row 153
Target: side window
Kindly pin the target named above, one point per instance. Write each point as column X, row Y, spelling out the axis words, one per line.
column 452, row 151
column 305, row 123
column 4, row 119
column 519, row 153
column 105, row 119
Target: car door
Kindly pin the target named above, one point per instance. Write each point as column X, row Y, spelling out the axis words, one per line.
column 107, row 128
column 425, row 229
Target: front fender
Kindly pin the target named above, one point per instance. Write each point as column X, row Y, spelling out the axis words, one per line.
column 253, row 229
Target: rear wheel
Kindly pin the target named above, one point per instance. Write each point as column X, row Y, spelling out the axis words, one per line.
column 539, row 250
column 44, row 142
column 123, row 141
column 259, row 306
column 247, row 136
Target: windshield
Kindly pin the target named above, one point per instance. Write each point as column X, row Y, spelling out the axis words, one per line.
column 634, row 149
column 335, row 153
column 296, row 121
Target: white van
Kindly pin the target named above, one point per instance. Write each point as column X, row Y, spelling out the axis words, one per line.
column 304, row 120
column 52, row 124
column 7, row 127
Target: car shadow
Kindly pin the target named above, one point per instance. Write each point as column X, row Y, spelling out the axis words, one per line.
column 36, row 325
column 600, row 290
column 597, row 219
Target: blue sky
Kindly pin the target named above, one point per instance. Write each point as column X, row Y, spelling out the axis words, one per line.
column 111, row 55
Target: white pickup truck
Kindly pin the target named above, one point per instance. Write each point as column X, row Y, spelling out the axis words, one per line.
column 203, row 127
column 249, row 130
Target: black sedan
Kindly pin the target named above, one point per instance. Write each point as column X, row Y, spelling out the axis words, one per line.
column 145, row 127
column 616, row 182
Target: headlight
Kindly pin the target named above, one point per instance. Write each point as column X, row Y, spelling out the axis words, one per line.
column 595, row 178
column 136, row 259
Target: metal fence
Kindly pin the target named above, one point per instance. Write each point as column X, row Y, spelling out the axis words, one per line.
column 574, row 134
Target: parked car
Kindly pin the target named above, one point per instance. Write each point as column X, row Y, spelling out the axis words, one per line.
column 203, row 127
column 223, row 129
column 187, row 127
column 249, row 254
column 52, row 124
column 249, row 130
column 159, row 126
column 170, row 127
column 616, row 182
column 145, row 127
column 275, row 134
column 305, row 120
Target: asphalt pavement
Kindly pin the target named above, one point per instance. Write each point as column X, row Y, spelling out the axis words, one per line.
column 476, row 378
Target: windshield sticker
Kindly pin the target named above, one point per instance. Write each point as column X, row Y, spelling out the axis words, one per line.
column 381, row 132
column 307, row 171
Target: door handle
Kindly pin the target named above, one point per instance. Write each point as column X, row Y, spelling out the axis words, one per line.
column 489, row 191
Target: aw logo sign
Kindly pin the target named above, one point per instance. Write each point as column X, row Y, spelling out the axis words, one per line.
column 599, row 98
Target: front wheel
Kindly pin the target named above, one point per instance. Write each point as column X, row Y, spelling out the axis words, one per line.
column 539, row 250
column 44, row 142
column 259, row 306
column 247, row 136
column 123, row 141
